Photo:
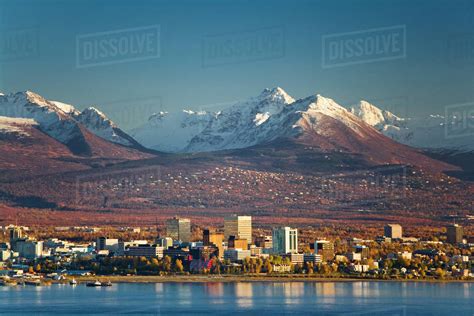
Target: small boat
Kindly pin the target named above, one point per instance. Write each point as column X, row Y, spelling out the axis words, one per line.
column 8, row 283
column 33, row 282
column 108, row 283
column 96, row 283
column 73, row 282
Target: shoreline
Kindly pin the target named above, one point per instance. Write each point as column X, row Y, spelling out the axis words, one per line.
column 236, row 279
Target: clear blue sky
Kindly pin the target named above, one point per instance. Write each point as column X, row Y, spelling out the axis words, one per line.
column 425, row 81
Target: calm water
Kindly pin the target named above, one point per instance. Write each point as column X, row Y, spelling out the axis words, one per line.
column 358, row 298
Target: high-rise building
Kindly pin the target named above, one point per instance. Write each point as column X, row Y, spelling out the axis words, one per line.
column 285, row 240
column 179, row 229
column 454, row 234
column 238, row 226
column 393, row 231
column 15, row 234
column 210, row 238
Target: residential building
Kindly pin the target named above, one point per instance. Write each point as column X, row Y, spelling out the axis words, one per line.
column 454, row 234
column 179, row 229
column 285, row 240
column 238, row 226
column 393, row 231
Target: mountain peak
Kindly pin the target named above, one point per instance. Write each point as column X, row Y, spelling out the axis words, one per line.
column 276, row 94
column 373, row 115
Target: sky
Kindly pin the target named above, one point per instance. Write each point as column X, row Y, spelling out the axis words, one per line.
column 430, row 45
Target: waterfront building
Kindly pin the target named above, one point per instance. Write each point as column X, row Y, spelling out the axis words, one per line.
column 177, row 253
column 238, row 226
column 179, row 229
column 393, row 231
column 235, row 255
column 285, row 240
column 29, row 249
column 454, row 234
column 312, row 257
column 204, row 252
column 146, row 250
column 324, row 248
column 295, row 258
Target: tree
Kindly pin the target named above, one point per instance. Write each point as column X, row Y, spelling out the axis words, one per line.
column 179, row 265
column 440, row 273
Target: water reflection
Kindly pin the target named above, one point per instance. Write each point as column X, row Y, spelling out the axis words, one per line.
column 325, row 292
column 244, row 294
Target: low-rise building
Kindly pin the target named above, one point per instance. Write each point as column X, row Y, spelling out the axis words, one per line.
column 236, row 254
column 312, row 257
column 146, row 250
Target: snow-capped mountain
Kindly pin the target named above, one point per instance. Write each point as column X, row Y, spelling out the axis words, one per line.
column 60, row 120
column 51, row 120
column 244, row 124
column 96, row 122
column 171, row 132
column 234, row 127
column 427, row 133
column 17, row 126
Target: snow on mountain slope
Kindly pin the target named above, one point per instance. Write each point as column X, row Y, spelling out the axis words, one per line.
column 51, row 119
column 244, row 124
column 374, row 116
column 171, row 132
column 66, row 108
column 428, row 132
column 60, row 120
column 286, row 118
column 96, row 122
column 19, row 126
column 234, row 127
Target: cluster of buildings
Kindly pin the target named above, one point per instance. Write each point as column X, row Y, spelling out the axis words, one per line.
column 234, row 244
